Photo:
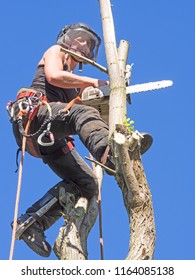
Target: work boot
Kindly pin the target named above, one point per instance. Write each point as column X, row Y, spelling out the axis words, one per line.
column 146, row 142
column 34, row 237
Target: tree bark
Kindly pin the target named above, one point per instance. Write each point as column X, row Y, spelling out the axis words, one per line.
column 126, row 148
column 136, row 194
column 117, row 101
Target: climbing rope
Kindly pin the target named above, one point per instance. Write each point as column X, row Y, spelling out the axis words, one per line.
column 18, row 192
column 94, row 168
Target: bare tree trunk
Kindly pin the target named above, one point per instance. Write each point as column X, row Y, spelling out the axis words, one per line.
column 130, row 173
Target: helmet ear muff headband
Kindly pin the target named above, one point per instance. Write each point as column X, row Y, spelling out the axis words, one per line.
column 63, row 31
column 76, row 25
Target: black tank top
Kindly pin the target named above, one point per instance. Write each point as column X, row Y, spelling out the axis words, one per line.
column 53, row 93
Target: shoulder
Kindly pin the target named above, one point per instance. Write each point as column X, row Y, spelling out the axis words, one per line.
column 55, row 49
column 53, row 53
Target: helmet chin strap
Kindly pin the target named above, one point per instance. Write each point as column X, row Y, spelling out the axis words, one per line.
column 80, row 63
column 80, row 66
column 77, row 61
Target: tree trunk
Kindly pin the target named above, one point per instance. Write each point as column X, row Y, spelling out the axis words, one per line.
column 136, row 194
column 129, row 169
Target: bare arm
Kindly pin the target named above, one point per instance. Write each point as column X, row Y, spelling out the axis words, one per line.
column 54, row 62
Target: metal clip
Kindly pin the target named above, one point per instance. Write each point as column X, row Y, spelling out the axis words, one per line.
column 24, row 106
column 66, row 113
column 10, row 110
column 46, row 133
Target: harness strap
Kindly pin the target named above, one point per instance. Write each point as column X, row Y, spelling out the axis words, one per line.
column 105, row 155
column 31, row 147
column 69, row 105
column 37, row 218
column 30, row 94
column 69, row 147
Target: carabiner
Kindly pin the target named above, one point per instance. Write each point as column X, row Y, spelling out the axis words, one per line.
column 24, row 106
column 66, row 113
column 10, row 110
column 46, row 133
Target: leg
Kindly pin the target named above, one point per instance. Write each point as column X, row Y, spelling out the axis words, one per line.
column 72, row 167
column 85, row 121
column 78, row 179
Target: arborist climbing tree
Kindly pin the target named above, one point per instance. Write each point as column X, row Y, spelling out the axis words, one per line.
column 55, row 82
column 46, row 115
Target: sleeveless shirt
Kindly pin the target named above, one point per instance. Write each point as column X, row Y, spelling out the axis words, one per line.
column 53, row 93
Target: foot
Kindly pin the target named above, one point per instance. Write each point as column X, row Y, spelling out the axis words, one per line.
column 34, row 237
column 146, row 142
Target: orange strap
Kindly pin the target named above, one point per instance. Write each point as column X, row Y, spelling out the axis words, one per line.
column 69, row 105
column 105, row 155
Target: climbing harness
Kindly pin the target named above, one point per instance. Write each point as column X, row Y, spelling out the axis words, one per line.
column 25, row 108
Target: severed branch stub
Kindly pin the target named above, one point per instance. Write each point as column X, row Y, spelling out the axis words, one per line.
column 135, row 140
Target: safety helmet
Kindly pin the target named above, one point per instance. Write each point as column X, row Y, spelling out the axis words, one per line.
column 70, row 33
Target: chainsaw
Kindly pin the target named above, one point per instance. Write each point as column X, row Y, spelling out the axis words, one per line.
column 99, row 97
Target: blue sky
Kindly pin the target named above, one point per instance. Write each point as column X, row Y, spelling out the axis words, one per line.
column 161, row 34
